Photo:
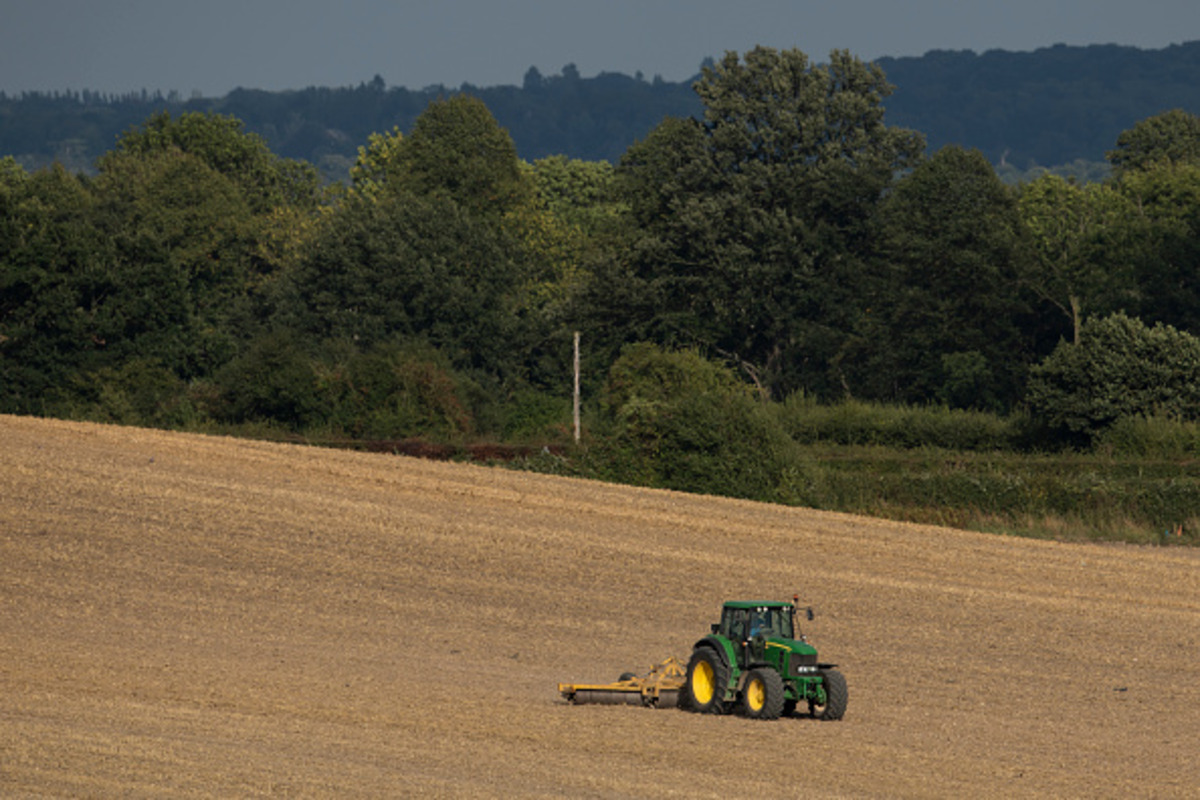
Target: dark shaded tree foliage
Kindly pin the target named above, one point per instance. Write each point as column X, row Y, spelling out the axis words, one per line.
column 405, row 265
column 949, row 320
column 60, row 289
column 154, row 259
column 426, row 253
column 1161, row 242
column 752, row 225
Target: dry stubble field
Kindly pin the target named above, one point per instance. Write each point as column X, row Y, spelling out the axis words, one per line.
column 197, row 616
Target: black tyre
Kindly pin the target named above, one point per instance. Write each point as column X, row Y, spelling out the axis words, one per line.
column 762, row 695
column 707, row 678
column 627, row 676
column 684, row 700
column 836, row 697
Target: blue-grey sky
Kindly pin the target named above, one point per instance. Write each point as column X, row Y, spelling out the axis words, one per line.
column 213, row 46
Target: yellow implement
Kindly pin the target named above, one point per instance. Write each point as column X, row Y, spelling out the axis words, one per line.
column 658, row 688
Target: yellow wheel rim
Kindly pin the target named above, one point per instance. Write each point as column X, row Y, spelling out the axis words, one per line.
column 703, row 684
column 756, row 694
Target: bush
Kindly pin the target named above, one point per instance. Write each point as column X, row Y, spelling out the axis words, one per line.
column 395, row 390
column 272, row 381
column 533, row 416
column 1151, row 437
column 138, row 392
column 1120, row 368
column 674, row 420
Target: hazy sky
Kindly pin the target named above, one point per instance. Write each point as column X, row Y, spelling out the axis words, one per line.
column 213, row 46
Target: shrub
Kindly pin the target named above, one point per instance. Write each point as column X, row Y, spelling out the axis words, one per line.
column 1120, row 368
column 1151, row 437
column 393, row 390
column 137, row 392
column 677, row 421
column 272, row 381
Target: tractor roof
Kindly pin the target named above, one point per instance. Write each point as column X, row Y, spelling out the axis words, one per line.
column 752, row 604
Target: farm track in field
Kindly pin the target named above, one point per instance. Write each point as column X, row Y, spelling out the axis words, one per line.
column 184, row 615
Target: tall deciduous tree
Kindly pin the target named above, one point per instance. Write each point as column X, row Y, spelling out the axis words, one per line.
column 1170, row 137
column 1072, row 228
column 1165, row 230
column 946, row 323
column 222, row 143
column 176, row 223
column 56, row 287
column 753, row 223
column 458, row 150
column 404, row 266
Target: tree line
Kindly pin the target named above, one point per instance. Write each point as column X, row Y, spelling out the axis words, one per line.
column 785, row 246
column 1058, row 107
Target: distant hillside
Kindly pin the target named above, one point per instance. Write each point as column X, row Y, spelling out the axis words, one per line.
column 1051, row 106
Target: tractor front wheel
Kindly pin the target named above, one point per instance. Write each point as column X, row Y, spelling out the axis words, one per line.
column 836, row 697
column 707, row 679
column 762, row 696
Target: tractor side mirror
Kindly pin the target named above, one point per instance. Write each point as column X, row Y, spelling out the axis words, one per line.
column 716, row 627
column 808, row 612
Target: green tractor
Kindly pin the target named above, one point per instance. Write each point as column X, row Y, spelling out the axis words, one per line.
column 757, row 661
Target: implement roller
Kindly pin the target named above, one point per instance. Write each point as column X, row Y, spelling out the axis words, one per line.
column 658, row 688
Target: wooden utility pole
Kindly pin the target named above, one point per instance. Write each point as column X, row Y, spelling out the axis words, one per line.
column 576, row 387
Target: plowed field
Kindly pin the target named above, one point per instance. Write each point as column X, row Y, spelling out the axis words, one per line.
column 198, row 616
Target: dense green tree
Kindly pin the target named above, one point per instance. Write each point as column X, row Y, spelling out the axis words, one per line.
column 1119, row 368
column 946, row 322
column 406, row 266
column 1078, row 264
column 198, row 216
column 482, row 217
column 272, row 380
column 61, row 298
column 222, row 143
column 457, row 150
column 1172, row 137
column 153, row 261
column 630, row 296
column 753, row 224
column 13, row 188
column 396, row 389
column 1164, row 242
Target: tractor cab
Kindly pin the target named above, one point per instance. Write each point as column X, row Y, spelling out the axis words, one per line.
column 743, row 621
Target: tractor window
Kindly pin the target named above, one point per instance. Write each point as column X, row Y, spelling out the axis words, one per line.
column 771, row 622
column 734, row 623
column 783, row 623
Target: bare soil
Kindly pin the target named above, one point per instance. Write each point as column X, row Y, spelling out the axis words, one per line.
column 199, row 616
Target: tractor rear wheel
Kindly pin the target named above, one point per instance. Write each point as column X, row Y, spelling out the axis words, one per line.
column 707, row 678
column 762, row 696
column 836, row 697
